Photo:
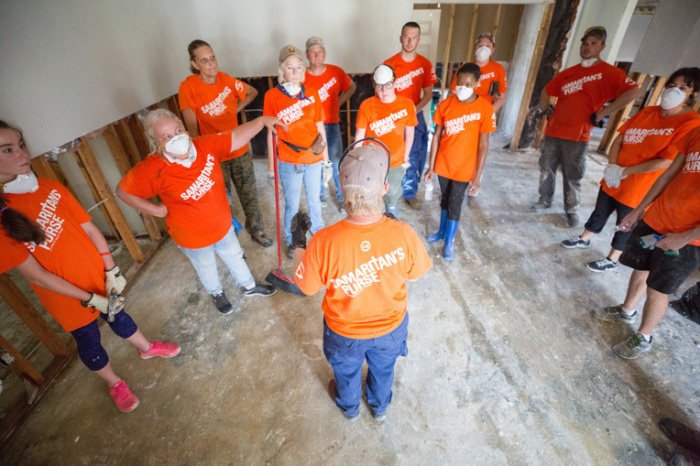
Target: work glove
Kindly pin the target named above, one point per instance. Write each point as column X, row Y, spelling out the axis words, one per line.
column 271, row 179
column 613, row 175
column 102, row 304
column 236, row 225
column 299, row 226
column 115, row 280
column 594, row 122
column 548, row 111
column 327, row 169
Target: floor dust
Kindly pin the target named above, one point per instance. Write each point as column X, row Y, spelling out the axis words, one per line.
column 506, row 364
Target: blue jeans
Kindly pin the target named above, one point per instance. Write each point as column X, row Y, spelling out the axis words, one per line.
column 335, row 150
column 291, row 176
column 417, row 158
column 204, row 262
column 346, row 356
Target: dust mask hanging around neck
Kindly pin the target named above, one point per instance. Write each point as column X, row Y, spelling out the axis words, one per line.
column 291, row 88
column 588, row 62
column 23, row 184
column 463, row 92
column 483, row 53
column 672, row 97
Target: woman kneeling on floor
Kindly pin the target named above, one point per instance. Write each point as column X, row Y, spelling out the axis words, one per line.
column 49, row 239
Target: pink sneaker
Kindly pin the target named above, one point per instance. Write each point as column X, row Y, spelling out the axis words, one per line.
column 123, row 398
column 158, row 348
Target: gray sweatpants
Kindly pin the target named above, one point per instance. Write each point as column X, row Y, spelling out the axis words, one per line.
column 571, row 155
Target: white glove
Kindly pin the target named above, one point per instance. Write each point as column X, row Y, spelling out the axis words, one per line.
column 115, row 280
column 271, row 179
column 327, row 168
column 613, row 175
column 98, row 302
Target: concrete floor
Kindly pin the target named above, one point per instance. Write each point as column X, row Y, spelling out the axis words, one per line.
column 506, row 364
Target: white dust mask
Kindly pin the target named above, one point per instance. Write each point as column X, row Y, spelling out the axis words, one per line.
column 588, row 62
column 22, row 184
column 483, row 53
column 179, row 145
column 672, row 97
column 463, row 92
column 291, row 88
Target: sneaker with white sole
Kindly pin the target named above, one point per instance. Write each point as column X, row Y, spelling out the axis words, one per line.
column 615, row 313
column 260, row 289
column 633, row 346
column 123, row 398
column 222, row 303
column 602, row 265
column 575, row 242
column 160, row 349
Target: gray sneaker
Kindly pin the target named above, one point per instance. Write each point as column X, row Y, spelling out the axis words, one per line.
column 615, row 313
column 575, row 242
column 602, row 265
column 222, row 303
column 633, row 346
column 324, row 201
column 260, row 289
column 572, row 219
column 540, row 206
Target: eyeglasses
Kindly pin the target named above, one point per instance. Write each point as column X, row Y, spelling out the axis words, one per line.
column 595, row 28
column 387, row 86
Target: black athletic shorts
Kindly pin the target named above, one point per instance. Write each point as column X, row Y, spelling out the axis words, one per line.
column 666, row 273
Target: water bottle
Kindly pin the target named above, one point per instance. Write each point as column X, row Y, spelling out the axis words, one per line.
column 429, row 186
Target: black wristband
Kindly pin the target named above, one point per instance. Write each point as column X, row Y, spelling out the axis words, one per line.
column 85, row 303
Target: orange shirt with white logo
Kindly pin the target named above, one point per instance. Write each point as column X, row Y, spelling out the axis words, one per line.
column 387, row 122
column 213, row 104
column 329, row 85
column 364, row 269
column 198, row 211
column 300, row 116
column 463, row 123
column 677, row 209
column 490, row 73
column 646, row 136
column 413, row 76
column 581, row 92
column 67, row 251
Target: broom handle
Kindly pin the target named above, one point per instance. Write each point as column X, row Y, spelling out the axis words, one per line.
column 277, row 201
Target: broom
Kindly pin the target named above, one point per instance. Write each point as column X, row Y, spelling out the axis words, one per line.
column 277, row 277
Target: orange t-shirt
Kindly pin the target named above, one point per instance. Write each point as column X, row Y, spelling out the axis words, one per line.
column 364, row 269
column 198, row 211
column 387, row 123
column 213, row 104
column 581, row 92
column 67, row 251
column 677, row 209
column 490, row 73
column 463, row 123
column 413, row 76
column 646, row 136
column 329, row 85
column 300, row 116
